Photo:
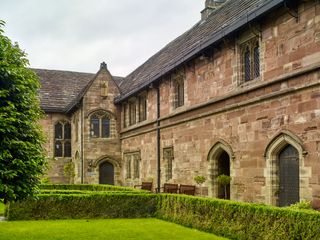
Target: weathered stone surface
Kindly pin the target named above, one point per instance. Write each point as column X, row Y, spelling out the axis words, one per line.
column 251, row 122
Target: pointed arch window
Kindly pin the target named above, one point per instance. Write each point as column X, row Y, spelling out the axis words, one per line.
column 100, row 125
column 62, row 139
column 250, row 58
column 179, row 91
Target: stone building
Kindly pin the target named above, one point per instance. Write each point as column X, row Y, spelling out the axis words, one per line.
column 237, row 94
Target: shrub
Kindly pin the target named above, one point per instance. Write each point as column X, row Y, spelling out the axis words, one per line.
column 231, row 219
column 239, row 220
column 224, row 181
column 199, row 179
column 304, row 204
column 75, row 206
column 88, row 187
column 54, row 191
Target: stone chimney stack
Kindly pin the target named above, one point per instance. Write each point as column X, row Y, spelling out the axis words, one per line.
column 210, row 6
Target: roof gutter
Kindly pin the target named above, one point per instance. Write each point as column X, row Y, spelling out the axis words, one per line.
column 216, row 37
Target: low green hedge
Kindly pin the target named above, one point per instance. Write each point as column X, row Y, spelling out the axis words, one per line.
column 239, row 220
column 231, row 219
column 76, row 206
column 87, row 187
column 54, row 191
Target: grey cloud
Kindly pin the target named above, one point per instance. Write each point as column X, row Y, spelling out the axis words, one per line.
column 79, row 34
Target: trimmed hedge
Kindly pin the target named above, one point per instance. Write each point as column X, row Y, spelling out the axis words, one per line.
column 75, row 206
column 231, row 219
column 88, row 187
column 239, row 220
column 53, row 191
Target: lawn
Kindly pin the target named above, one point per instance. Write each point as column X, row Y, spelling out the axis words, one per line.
column 117, row 229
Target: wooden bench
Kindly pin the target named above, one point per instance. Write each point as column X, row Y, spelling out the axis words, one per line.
column 170, row 188
column 187, row 189
column 145, row 186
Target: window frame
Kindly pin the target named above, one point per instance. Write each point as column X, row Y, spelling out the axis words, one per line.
column 178, row 81
column 62, row 140
column 143, row 107
column 101, row 116
column 125, row 115
column 133, row 165
column 250, row 60
column 132, row 112
column 168, row 157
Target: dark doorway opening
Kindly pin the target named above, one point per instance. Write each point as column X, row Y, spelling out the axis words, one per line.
column 288, row 161
column 224, row 168
column 106, row 173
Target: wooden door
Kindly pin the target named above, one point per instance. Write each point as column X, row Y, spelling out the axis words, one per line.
column 106, row 173
column 288, row 176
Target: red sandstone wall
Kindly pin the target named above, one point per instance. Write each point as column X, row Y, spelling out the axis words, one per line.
column 253, row 113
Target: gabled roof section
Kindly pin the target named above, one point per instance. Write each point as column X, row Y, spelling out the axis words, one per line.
column 231, row 16
column 62, row 89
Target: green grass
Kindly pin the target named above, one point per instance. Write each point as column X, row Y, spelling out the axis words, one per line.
column 1, row 208
column 117, row 229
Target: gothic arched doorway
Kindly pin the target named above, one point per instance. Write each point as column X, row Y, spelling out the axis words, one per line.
column 287, row 176
column 288, row 162
column 220, row 162
column 106, row 173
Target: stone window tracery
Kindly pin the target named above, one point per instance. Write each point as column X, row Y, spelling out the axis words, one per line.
column 178, row 84
column 100, row 125
column 250, row 59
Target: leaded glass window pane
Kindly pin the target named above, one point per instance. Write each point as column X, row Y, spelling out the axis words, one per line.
column 67, row 149
column 105, row 127
column 180, row 94
column 125, row 115
column 58, row 149
column 247, row 65
column 256, row 55
column 136, row 173
column 132, row 113
column 58, row 131
column 94, row 126
column 142, row 108
column 67, row 131
column 128, row 167
column 168, row 160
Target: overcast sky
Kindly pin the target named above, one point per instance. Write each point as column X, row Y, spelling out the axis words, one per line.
column 77, row 35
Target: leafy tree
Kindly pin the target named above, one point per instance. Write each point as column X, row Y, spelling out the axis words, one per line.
column 224, row 181
column 200, row 180
column 22, row 160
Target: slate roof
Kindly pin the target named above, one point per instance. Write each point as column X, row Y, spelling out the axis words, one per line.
column 61, row 90
column 231, row 16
